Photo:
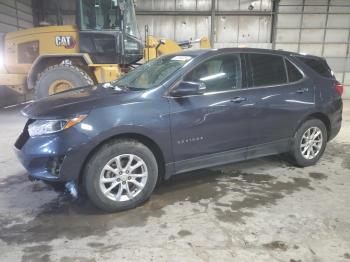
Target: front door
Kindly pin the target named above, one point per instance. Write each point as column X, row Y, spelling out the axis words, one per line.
column 214, row 122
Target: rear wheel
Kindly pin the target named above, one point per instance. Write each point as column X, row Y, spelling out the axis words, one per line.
column 59, row 78
column 121, row 175
column 309, row 143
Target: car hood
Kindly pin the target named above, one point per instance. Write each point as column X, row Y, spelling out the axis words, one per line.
column 77, row 101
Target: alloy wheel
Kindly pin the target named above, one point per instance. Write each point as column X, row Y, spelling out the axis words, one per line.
column 311, row 143
column 123, row 177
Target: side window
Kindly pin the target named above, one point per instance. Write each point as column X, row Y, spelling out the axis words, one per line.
column 220, row 73
column 267, row 70
column 293, row 73
column 320, row 66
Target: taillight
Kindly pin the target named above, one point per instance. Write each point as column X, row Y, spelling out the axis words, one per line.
column 339, row 88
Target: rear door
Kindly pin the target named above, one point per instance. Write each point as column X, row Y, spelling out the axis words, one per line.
column 282, row 95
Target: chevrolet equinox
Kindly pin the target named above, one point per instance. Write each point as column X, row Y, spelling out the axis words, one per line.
column 177, row 113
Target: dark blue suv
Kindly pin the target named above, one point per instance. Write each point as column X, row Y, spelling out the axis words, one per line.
column 178, row 113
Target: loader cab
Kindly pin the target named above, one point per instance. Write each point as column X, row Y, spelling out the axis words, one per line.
column 109, row 31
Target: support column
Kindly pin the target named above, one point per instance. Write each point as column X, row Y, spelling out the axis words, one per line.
column 212, row 23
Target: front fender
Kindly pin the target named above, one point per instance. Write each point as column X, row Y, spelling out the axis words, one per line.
column 161, row 139
column 138, row 119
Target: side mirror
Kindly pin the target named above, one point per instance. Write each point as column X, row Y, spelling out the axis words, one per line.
column 188, row 89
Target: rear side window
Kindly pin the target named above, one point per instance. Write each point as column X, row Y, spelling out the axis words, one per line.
column 293, row 73
column 267, row 70
column 318, row 65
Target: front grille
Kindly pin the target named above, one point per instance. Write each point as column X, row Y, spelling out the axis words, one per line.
column 23, row 138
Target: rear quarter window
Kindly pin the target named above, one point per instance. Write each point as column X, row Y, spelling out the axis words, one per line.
column 320, row 66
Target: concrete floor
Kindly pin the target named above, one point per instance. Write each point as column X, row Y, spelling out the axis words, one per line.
column 260, row 210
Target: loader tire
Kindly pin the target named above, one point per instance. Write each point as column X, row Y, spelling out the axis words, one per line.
column 59, row 78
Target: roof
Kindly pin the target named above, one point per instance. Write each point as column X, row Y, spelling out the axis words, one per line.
column 198, row 52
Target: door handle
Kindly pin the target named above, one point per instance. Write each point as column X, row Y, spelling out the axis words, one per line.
column 302, row 90
column 238, row 99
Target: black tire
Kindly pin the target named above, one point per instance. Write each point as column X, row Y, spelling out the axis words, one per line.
column 91, row 176
column 72, row 74
column 296, row 155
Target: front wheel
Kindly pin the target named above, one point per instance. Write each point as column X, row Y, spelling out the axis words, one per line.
column 309, row 143
column 121, row 175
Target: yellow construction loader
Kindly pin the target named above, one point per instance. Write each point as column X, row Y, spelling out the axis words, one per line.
column 103, row 45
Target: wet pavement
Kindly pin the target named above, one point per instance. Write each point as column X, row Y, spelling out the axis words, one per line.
column 258, row 210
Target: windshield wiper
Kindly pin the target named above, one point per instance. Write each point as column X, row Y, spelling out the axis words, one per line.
column 116, row 87
column 129, row 88
column 122, row 87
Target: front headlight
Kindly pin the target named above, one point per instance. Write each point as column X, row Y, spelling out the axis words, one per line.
column 45, row 127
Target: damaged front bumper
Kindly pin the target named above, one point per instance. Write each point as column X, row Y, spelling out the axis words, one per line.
column 57, row 157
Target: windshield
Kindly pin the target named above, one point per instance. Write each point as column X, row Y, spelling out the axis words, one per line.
column 108, row 15
column 153, row 73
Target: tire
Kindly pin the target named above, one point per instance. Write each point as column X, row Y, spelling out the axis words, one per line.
column 296, row 154
column 96, row 168
column 71, row 76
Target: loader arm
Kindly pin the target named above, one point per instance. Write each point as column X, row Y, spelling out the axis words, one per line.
column 156, row 47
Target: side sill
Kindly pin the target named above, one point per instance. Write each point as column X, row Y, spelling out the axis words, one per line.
column 229, row 157
column 211, row 160
column 272, row 148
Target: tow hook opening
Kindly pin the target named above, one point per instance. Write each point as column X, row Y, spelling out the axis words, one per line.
column 72, row 189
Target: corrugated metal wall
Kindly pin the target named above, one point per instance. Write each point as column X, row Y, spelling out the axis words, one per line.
column 234, row 25
column 15, row 15
column 318, row 27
